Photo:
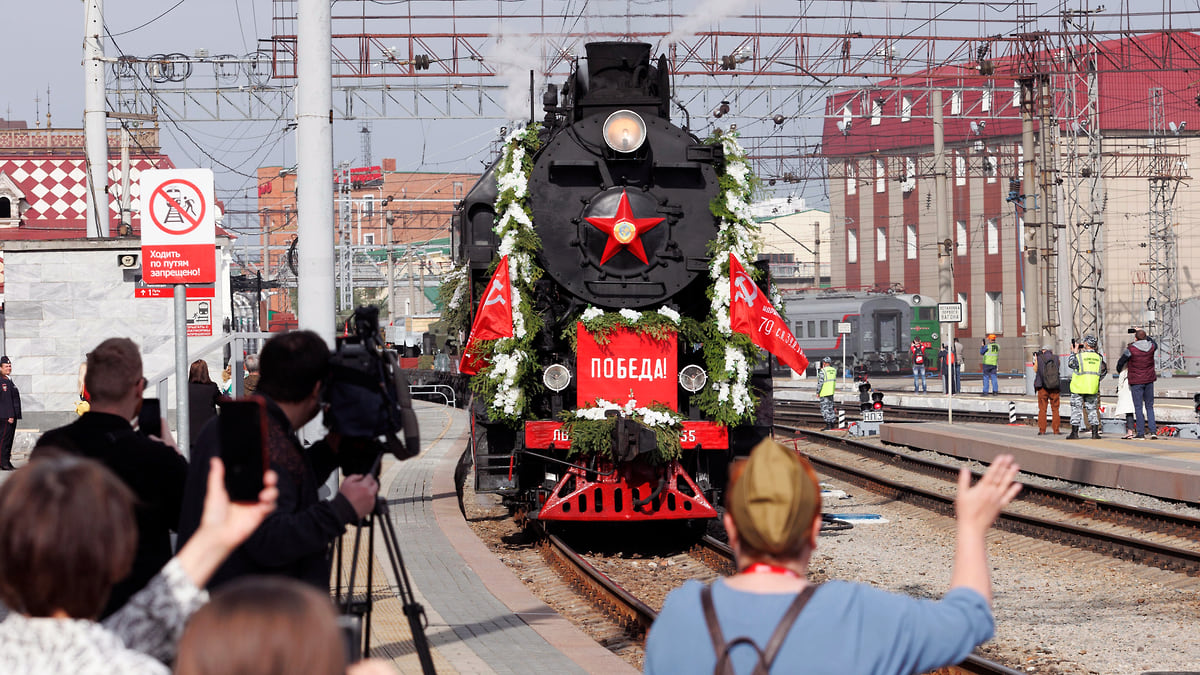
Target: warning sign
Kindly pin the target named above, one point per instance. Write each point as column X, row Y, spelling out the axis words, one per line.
column 178, row 226
column 199, row 317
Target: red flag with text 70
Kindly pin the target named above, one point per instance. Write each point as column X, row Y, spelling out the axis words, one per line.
column 751, row 313
column 493, row 320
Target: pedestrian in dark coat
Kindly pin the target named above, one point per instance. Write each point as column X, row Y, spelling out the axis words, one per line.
column 203, row 396
column 1138, row 357
column 149, row 466
column 10, row 412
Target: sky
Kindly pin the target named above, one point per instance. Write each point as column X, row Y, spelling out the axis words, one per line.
column 43, row 67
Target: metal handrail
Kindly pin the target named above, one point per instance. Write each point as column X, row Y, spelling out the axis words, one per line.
column 435, row 390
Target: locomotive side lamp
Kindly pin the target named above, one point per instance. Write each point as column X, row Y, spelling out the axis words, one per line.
column 624, row 131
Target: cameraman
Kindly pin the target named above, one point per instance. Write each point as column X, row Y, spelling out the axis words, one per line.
column 294, row 541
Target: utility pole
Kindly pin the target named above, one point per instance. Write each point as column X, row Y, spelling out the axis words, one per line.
column 945, row 240
column 1031, row 247
column 390, row 220
column 314, row 168
column 95, row 128
column 817, row 255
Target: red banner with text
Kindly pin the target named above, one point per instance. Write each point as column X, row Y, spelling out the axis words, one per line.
column 628, row 366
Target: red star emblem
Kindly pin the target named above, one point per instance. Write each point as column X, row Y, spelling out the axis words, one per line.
column 624, row 230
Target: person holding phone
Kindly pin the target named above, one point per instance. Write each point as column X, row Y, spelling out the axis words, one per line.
column 148, row 464
column 294, row 540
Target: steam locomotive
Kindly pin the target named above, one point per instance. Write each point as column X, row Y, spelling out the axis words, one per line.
column 620, row 200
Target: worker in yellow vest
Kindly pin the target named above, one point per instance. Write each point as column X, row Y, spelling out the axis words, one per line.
column 826, row 382
column 990, row 351
column 1087, row 368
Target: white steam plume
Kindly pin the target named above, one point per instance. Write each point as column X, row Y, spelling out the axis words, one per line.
column 512, row 56
column 705, row 14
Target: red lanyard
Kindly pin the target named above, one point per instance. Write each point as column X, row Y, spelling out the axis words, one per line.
column 764, row 568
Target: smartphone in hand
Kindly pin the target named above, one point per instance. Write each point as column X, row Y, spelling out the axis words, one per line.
column 150, row 418
column 242, row 427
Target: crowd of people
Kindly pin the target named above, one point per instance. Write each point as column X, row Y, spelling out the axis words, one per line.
column 89, row 579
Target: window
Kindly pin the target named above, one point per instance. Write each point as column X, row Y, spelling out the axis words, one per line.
column 962, row 300
column 851, row 246
column 799, row 330
column 369, row 239
column 851, row 178
column 812, row 329
column 993, row 313
column 880, row 175
column 985, row 100
column 876, row 111
column 824, row 328
column 847, row 118
column 910, row 174
column 880, row 244
column 910, row 242
column 1020, row 161
column 993, row 237
column 1016, row 98
column 956, row 103
column 991, row 168
column 905, row 108
column 960, row 238
column 960, row 170
column 5, row 207
column 368, row 206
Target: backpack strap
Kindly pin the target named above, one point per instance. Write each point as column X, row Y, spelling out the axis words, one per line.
column 765, row 658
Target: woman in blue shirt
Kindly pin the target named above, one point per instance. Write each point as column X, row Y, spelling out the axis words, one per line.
column 773, row 519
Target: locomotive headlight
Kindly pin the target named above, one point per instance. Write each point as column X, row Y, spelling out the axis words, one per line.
column 624, row 131
column 692, row 378
column 556, row 377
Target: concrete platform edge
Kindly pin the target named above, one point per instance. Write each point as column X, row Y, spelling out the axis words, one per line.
column 1106, row 468
column 505, row 586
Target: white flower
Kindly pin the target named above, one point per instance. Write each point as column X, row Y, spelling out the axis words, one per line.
column 630, row 315
column 669, row 313
column 592, row 313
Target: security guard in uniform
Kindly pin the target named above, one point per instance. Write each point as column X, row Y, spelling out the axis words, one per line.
column 10, row 412
column 826, row 383
column 1087, row 367
column 990, row 351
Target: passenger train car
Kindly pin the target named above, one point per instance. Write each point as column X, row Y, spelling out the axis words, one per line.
column 881, row 328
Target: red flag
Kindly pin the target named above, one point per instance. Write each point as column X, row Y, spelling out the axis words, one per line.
column 751, row 313
column 493, row 320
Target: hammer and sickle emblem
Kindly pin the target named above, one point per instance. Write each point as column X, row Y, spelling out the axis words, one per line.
column 747, row 290
column 494, row 296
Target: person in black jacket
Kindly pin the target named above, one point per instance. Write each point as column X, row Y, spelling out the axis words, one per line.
column 295, row 540
column 150, row 466
column 10, row 412
column 203, row 397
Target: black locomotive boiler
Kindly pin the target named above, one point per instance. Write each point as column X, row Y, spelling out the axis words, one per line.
column 620, row 200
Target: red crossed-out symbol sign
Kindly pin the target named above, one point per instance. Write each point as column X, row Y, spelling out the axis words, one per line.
column 184, row 206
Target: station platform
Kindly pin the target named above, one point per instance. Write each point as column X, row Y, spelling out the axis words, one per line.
column 481, row 618
column 1167, row 467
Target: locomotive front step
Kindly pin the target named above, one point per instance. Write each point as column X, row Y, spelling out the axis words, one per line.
column 632, row 491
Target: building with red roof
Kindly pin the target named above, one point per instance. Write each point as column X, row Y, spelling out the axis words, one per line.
column 878, row 141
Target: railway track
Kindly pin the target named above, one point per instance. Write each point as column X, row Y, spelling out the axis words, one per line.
column 636, row 617
column 1153, row 538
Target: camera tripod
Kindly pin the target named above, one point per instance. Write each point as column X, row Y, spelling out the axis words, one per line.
column 363, row 608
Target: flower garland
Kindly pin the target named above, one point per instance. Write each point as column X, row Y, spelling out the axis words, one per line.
column 591, row 429
column 660, row 324
column 729, row 356
column 452, row 293
column 512, row 368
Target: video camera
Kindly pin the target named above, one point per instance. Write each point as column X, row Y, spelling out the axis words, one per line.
column 367, row 402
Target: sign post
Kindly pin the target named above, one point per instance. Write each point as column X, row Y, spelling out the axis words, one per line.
column 950, row 313
column 843, row 329
column 179, row 248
